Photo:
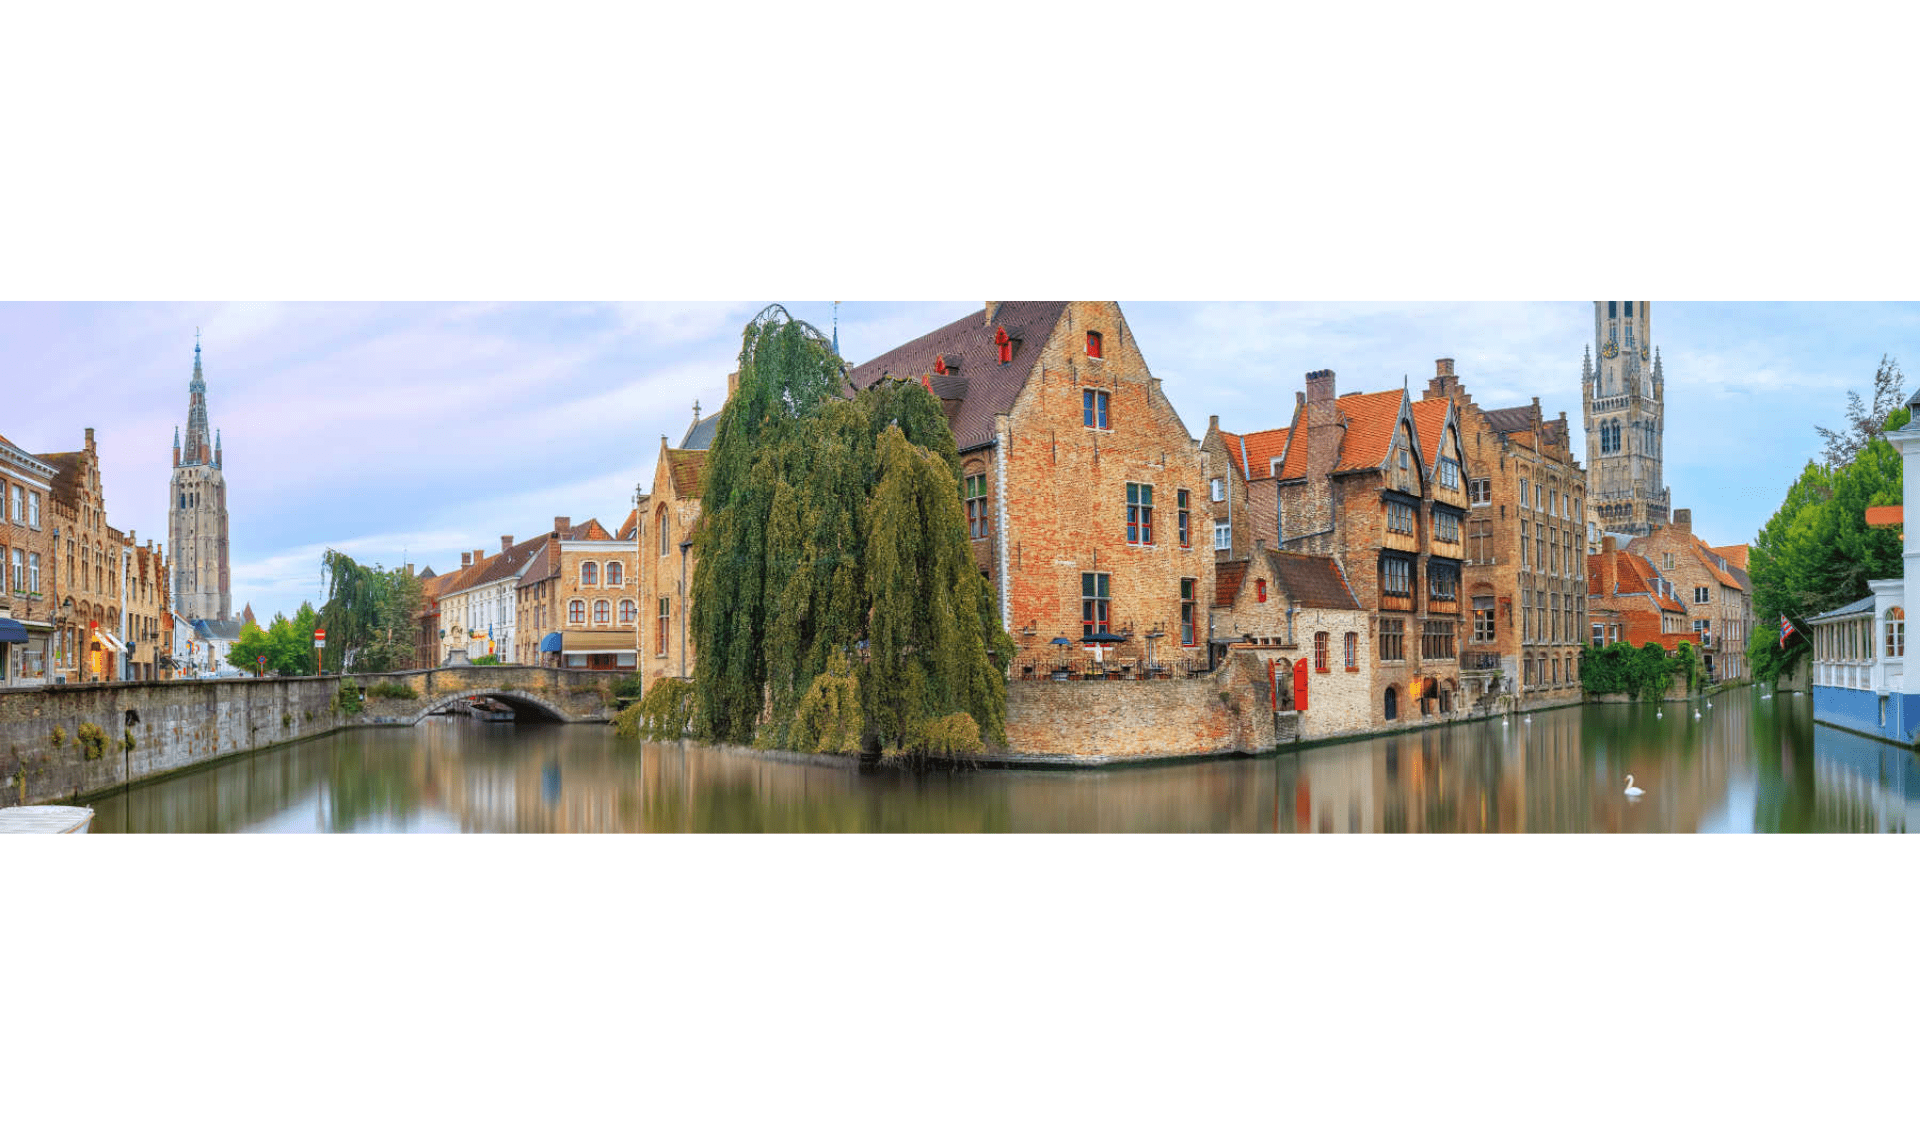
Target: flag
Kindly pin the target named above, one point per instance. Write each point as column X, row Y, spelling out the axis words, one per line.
column 1786, row 628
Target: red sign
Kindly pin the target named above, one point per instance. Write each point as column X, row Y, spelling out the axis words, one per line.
column 319, row 638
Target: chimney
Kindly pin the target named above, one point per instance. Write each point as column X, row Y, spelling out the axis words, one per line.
column 1319, row 387
column 409, row 569
column 1443, row 368
column 466, row 559
column 89, row 437
column 506, row 544
column 992, row 306
column 1443, row 383
column 1213, row 422
column 1683, row 520
column 479, row 555
column 733, row 383
column 1609, row 547
column 562, row 523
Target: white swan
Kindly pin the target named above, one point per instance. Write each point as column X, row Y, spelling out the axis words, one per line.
column 1632, row 791
column 1658, row 713
column 1527, row 720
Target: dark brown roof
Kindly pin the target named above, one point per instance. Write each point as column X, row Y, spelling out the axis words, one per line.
column 628, row 530
column 683, row 470
column 1513, row 419
column 545, row 565
column 982, row 386
column 1312, row 581
column 586, row 530
column 1226, row 581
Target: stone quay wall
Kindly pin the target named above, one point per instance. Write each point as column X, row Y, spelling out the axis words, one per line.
column 152, row 729
column 1101, row 722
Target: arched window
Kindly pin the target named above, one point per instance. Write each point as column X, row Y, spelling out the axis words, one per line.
column 577, row 611
column 660, row 526
column 1093, row 345
column 629, row 610
column 1392, row 704
column 616, row 575
column 589, row 574
column 1896, row 632
column 602, row 611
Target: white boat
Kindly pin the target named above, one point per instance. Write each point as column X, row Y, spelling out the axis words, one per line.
column 45, row 819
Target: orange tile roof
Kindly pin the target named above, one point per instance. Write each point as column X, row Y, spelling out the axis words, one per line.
column 1295, row 461
column 1226, row 582
column 1879, row 516
column 1429, row 421
column 1371, row 420
column 1705, row 555
column 627, row 530
column 1263, row 448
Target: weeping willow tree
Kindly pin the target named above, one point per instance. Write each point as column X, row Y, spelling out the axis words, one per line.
column 369, row 615
column 805, row 494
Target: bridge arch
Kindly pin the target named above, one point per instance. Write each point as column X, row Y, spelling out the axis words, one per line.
column 518, row 699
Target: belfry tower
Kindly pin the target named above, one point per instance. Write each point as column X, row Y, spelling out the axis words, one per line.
column 197, row 512
column 1625, row 401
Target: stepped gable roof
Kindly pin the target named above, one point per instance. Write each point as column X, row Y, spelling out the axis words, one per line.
column 1262, row 448
column 1226, row 581
column 982, row 384
column 1429, row 421
column 1513, row 419
column 66, row 474
column 699, row 435
column 1312, row 581
column 683, row 471
column 1371, row 420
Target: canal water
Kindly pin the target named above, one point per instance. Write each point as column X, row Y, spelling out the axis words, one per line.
column 1746, row 763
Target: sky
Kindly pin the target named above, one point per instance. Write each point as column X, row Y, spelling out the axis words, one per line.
column 406, row 432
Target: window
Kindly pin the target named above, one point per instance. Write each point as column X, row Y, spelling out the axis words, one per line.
column 602, row 611
column 1539, row 497
column 1666, row 561
column 1629, row 309
column 1480, row 490
column 1094, row 603
column 1260, row 591
column 33, row 510
column 663, row 634
column 1186, row 529
column 577, row 611
column 1093, row 407
column 616, row 574
column 1093, row 345
column 1480, row 541
column 1556, row 671
column 629, row 611
column 1218, row 487
column 1403, row 459
column 1527, row 671
column 1523, row 543
column 1187, row 612
column 1400, row 517
column 1320, row 652
column 33, row 572
column 975, row 494
column 1396, row 577
column 1523, row 492
column 1483, row 630
column 1449, row 473
column 1222, row 536
column 1393, row 640
column 1139, row 513
column 1353, row 651
column 1599, row 636
column 1436, row 639
column 1610, row 309
column 660, row 525
column 589, row 574
column 1446, row 526
column 1443, row 581
column 1896, row 633
column 19, row 507
column 1700, row 595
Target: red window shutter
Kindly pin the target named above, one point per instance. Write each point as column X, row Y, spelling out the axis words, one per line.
column 1260, row 590
column 1300, row 685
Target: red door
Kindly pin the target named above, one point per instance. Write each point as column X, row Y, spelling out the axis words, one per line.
column 1300, row 685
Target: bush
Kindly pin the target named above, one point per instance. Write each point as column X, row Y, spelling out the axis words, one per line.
column 394, row 690
column 955, row 735
column 662, row 715
column 487, row 660
column 1620, row 668
column 347, row 700
column 632, row 686
column 93, row 741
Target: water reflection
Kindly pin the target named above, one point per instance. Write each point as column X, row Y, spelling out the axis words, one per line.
column 1745, row 764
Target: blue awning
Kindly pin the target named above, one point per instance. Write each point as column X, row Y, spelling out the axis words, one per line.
column 551, row 643
column 11, row 631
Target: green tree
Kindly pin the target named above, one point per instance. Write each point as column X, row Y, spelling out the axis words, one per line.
column 287, row 644
column 369, row 615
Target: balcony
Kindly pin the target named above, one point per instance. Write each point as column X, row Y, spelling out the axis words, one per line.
column 1479, row 660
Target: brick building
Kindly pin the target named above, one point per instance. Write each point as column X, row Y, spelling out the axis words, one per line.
column 1631, row 602
column 1624, row 406
column 665, row 536
column 1242, row 493
column 87, row 555
column 1718, row 595
column 1360, row 481
column 149, row 636
column 1298, row 619
column 579, row 598
column 1080, row 481
column 27, row 582
column 1525, row 563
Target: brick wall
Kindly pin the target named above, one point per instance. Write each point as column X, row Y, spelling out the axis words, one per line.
column 1143, row 720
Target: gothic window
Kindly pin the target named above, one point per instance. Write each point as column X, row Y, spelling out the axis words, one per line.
column 660, row 526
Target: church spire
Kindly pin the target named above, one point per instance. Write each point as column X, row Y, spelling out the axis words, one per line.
column 198, row 452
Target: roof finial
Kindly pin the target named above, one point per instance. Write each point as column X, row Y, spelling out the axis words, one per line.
column 696, row 409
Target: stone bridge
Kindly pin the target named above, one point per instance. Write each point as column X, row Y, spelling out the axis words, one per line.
column 74, row 741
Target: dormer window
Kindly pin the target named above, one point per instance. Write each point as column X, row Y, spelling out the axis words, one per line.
column 940, row 365
column 1093, row 345
column 1004, row 343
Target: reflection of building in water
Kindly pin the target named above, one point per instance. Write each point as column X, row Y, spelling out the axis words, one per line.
column 1861, row 785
